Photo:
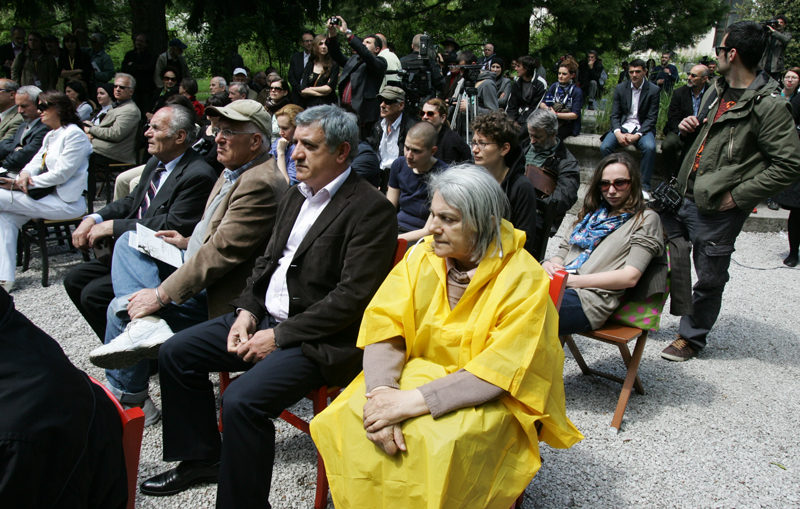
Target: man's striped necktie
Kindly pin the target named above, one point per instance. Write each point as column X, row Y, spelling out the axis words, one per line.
column 151, row 191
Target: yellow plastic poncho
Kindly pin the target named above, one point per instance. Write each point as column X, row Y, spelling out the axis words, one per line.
column 503, row 330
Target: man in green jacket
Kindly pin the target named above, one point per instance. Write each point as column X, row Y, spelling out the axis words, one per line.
column 743, row 149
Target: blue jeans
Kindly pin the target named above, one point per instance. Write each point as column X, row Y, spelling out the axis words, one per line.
column 571, row 318
column 133, row 271
column 646, row 145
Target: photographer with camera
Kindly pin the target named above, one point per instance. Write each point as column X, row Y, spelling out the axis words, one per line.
column 362, row 74
column 475, row 94
column 743, row 149
column 779, row 37
column 422, row 76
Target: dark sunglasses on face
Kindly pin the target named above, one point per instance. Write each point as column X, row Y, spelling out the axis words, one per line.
column 121, row 87
column 389, row 102
column 619, row 184
column 428, row 113
column 169, row 78
column 277, row 89
column 44, row 106
column 693, row 75
column 720, row 49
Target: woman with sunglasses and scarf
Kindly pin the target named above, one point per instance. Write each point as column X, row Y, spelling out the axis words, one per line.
column 51, row 185
column 169, row 76
column 611, row 245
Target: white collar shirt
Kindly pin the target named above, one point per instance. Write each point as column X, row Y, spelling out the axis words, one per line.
column 388, row 147
column 632, row 123
column 277, row 298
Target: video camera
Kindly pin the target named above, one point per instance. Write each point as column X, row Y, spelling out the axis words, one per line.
column 427, row 48
column 471, row 73
column 774, row 23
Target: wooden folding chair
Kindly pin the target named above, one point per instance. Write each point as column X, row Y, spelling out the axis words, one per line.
column 132, row 430
column 319, row 400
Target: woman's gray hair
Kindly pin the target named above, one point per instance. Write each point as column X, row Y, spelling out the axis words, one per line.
column 182, row 119
column 473, row 191
column 337, row 125
column 543, row 119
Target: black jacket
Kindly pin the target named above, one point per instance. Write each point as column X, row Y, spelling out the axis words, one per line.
column 296, row 74
column 178, row 205
column 586, row 75
column 648, row 106
column 680, row 107
column 365, row 71
column 14, row 159
column 451, row 148
column 522, row 196
column 406, row 123
column 141, row 66
column 563, row 164
column 524, row 100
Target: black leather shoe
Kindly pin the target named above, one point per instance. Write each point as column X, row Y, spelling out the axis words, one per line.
column 181, row 478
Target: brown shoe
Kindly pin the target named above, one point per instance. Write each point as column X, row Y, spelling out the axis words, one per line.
column 679, row 351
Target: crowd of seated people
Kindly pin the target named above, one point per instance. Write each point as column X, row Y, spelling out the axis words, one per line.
column 277, row 191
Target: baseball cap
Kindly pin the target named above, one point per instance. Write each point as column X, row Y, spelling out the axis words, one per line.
column 245, row 110
column 240, row 70
column 392, row 93
column 178, row 43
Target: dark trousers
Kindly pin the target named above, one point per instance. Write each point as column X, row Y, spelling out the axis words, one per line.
column 247, row 452
column 671, row 157
column 712, row 237
column 571, row 318
column 89, row 286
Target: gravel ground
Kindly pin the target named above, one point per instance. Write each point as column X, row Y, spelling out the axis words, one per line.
column 717, row 431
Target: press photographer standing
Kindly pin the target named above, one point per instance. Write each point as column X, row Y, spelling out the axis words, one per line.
column 779, row 37
column 743, row 150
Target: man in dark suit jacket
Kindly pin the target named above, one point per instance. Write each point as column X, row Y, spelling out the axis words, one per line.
column 634, row 123
column 17, row 151
column 362, row 74
column 389, row 135
column 685, row 103
column 295, row 327
column 298, row 63
column 171, row 195
column 9, row 51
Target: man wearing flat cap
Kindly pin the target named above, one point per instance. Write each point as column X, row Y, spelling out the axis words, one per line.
column 151, row 300
column 389, row 135
column 174, row 57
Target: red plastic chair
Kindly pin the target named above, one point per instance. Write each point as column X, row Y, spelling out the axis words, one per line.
column 319, row 400
column 132, row 430
column 558, row 284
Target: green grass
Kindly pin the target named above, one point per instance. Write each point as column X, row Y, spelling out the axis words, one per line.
column 202, row 87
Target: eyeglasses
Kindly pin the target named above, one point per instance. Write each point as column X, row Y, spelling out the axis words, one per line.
column 481, row 144
column 227, row 133
column 389, row 102
column 8, row 91
column 719, row 49
column 277, row 89
column 169, row 78
column 619, row 184
column 122, row 87
column 693, row 75
column 43, row 106
column 427, row 113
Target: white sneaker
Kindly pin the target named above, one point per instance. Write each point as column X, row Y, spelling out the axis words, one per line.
column 7, row 285
column 151, row 412
column 141, row 340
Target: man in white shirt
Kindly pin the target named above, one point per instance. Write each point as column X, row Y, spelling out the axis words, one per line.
column 295, row 327
column 633, row 119
column 389, row 135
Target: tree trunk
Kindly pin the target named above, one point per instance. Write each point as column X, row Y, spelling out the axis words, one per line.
column 510, row 32
column 149, row 17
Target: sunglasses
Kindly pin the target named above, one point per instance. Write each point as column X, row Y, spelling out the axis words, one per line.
column 123, row 87
column 720, row 49
column 43, row 106
column 427, row 113
column 619, row 184
column 389, row 102
column 693, row 75
column 168, row 78
column 278, row 89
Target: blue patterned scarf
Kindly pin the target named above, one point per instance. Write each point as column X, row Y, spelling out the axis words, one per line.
column 590, row 231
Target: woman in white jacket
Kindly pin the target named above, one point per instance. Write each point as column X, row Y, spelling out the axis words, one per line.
column 51, row 186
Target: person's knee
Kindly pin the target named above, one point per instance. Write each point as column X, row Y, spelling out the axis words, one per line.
column 609, row 144
column 647, row 144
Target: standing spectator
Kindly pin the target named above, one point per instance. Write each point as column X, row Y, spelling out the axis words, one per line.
column 393, row 65
column 651, row 64
column 140, row 63
column 495, row 145
column 712, row 69
column 101, row 61
column 278, row 98
column 361, row 76
column 10, row 118
column 414, row 63
column 567, row 100
column 623, row 75
column 169, row 87
column 298, row 63
column 685, row 103
column 526, row 93
column 452, row 148
column 188, row 89
column 10, row 50
column 502, row 83
column 174, row 58
column 772, row 60
column 488, row 57
column 743, row 150
column 283, row 146
column 485, row 101
column 76, row 91
column 259, row 82
column 74, row 64
column 51, row 46
column 790, row 199
column 320, row 76
column 633, row 119
column 35, row 67
column 666, row 74
column 592, row 77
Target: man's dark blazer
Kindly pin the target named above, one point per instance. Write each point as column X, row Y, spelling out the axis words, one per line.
column 451, row 148
column 296, row 68
column 648, row 106
column 365, row 71
column 15, row 160
column 178, row 205
column 406, row 123
column 336, row 270
column 680, row 107
column 7, row 53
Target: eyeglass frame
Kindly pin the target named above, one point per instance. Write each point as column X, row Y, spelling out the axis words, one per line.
column 227, row 134
column 726, row 49
column 277, row 89
column 47, row 106
column 482, row 144
column 619, row 184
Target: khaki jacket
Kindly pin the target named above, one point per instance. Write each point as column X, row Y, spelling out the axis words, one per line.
column 751, row 150
column 237, row 234
column 9, row 125
column 115, row 137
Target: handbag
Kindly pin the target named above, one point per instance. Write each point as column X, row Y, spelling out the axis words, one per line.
column 543, row 179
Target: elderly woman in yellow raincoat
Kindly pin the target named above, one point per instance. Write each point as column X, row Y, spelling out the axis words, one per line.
column 462, row 367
